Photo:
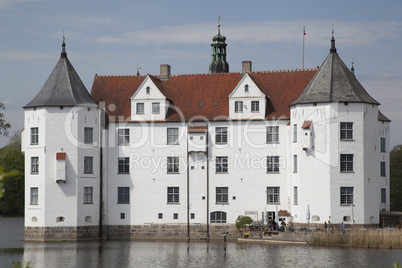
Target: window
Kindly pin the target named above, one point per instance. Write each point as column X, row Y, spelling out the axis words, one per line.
column 173, row 164
column 175, row 216
column 124, row 136
column 382, row 145
column 140, row 108
column 88, row 165
column 255, row 106
column 295, row 196
column 383, row 195
column 123, row 195
column 34, row 135
column 222, row 195
column 246, row 88
column 122, row 216
column 295, row 163
column 34, row 196
column 272, row 164
column 346, row 195
column 346, row 162
column 148, row 90
column 88, row 135
column 173, row 195
column 238, row 106
column 124, row 165
column 273, row 195
column 221, row 135
column 35, row 165
column 160, row 215
column 156, row 108
column 88, row 195
column 295, row 133
column 218, row 217
column 221, row 164
column 383, row 170
column 346, row 131
column 192, row 216
column 173, row 136
column 273, row 134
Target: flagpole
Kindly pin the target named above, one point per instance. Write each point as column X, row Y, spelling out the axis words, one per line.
column 304, row 33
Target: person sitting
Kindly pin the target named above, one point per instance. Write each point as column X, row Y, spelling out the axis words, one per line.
column 283, row 226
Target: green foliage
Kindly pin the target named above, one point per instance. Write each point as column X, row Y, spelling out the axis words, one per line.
column 242, row 221
column 397, row 265
column 12, row 178
column 18, row 264
column 396, row 178
column 4, row 126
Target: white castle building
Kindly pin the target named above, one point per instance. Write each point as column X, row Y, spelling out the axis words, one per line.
column 186, row 155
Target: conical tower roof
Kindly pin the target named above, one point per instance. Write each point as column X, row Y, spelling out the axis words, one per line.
column 334, row 82
column 63, row 87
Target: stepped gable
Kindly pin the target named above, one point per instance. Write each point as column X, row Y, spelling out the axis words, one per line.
column 202, row 95
column 63, row 87
column 334, row 82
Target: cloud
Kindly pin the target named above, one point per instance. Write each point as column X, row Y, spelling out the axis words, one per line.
column 318, row 33
column 26, row 56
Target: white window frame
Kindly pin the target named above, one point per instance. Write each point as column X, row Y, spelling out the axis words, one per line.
column 222, row 164
column 156, row 108
column 383, row 169
column 222, row 195
column 295, row 163
column 273, row 195
column 123, row 165
column 383, row 195
column 221, row 135
column 272, row 164
column 123, row 195
column 295, row 195
column 255, row 106
column 346, row 195
column 346, row 162
column 173, row 195
column 172, row 136
column 123, row 136
column 272, row 134
column 34, row 196
column 34, row 135
column 35, row 165
column 88, row 165
column 383, row 145
column 88, row 195
column 140, row 108
column 173, row 164
column 346, row 131
column 238, row 106
column 88, row 135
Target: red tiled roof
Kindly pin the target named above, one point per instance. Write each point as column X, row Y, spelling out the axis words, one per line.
column 60, row 156
column 307, row 124
column 197, row 129
column 202, row 95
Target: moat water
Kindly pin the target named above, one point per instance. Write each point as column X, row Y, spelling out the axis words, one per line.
column 178, row 254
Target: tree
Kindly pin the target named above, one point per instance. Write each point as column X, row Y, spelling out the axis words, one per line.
column 12, row 177
column 396, row 178
column 4, row 126
column 242, row 221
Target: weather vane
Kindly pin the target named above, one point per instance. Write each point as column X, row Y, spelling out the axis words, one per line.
column 138, row 69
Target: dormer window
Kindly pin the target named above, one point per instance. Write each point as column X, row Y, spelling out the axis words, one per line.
column 238, row 106
column 246, row 88
column 140, row 108
column 148, row 90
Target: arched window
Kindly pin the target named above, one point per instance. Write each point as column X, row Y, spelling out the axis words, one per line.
column 218, row 217
column 148, row 90
column 246, row 88
column 315, row 218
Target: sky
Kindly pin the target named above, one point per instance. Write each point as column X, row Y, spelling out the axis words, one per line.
column 114, row 37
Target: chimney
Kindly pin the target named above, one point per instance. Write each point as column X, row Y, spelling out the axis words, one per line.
column 165, row 71
column 246, row 67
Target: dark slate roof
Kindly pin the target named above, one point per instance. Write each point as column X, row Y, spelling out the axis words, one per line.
column 187, row 92
column 334, row 82
column 382, row 117
column 63, row 87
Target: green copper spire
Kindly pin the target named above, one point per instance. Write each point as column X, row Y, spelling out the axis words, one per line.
column 218, row 63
